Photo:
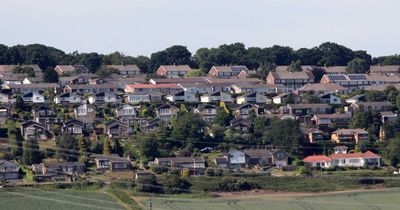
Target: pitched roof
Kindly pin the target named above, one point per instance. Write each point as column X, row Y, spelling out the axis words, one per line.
column 317, row 158
column 346, row 131
column 153, row 86
column 322, row 87
column 367, row 154
column 176, row 68
column 177, row 160
column 335, row 69
column 284, row 74
column 385, row 69
column 124, row 67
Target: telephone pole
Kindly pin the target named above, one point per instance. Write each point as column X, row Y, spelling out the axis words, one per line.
column 150, row 203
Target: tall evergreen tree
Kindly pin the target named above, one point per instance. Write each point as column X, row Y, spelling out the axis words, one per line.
column 107, row 146
column 31, row 154
column 83, row 149
column 118, row 149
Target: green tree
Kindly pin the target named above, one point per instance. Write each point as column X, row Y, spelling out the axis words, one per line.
column 107, row 146
column 14, row 138
column 31, row 154
column 195, row 73
column 295, row 66
column 50, row 75
column 148, row 146
column 357, row 66
column 19, row 103
column 24, row 70
column 118, row 149
column 264, row 69
column 289, row 99
column 106, row 72
column 189, row 128
column 285, row 134
column 67, row 147
column 83, row 149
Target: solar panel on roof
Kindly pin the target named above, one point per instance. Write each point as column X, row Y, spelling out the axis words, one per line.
column 357, row 77
column 336, row 77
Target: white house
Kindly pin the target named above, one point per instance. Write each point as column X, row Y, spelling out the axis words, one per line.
column 103, row 97
column 253, row 98
column 330, row 98
column 68, row 98
column 217, row 96
column 237, row 159
column 182, row 96
column 33, row 97
column 318, row 161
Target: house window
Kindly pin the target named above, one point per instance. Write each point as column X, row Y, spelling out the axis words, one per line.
column 165, row 111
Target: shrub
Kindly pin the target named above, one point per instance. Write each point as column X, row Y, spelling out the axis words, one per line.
column 231, row 184
column 369, row 181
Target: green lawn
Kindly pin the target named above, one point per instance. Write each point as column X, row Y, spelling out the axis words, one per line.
column 33, row 199
column 384, row 200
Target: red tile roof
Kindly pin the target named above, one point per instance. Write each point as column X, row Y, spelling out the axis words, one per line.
column 317, row 158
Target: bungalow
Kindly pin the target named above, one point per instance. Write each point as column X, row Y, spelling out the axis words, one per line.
column 319, row 88
column 259, row 88
column 55, row 168
column 33, row 130
column 69, row 98
column 9, row 171
column 389, row 69
column 112, row 163
column 216, row 97
column 34, row 97
column 320, row 161
column 116, row 128
column 87, row 114
column 127, row 114
column 290, row 79
column 241, row 125
column 379, row 106
column 305, row 109
column 344, row 159
column 350, row 81
column 45, row 116
column 135, row 98
column 73, row 126
column 150, row 88
column 71, row 69
column 102, row 98
column 330, row 98
column 181, row 96
column 237, row 159
column 245, row 110
column 5, row 113
column 253, row 98
column 27, row 88
column 284, row 97
column 173, row 71
column 221, row 162
column 350, row 135
column 152, row 126
column 332, row 120
column 93, row 89
column 166, row 112
column 225, row 85
column 156, row 81
column 182, row 162
column 126, row 70
column 277, row 158
column 226, row 71
column 207, row 111
column 4, row 98
column 197, row 88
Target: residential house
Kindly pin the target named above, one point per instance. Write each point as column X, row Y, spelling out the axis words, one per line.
column 173, row 71
column 284, row 98
column 33, row 130
column 305, row 109
column 314, row 135
column 182, row 162
column 92, row 89
column 55, row 168
column 277, row 158
column 332, row 120
column 291, row 79
column 5, row 113
column 330, row 98
column 343, row 159
column 241, row 125
column 335, row 70
column 156, row 81
column 4, row 99
column 150, row 88
column 389, row 69
column 350, row 135
column 135, row 98
column 45, row 116
column 216, row 97
column 181, row 96
column 221, row 162
column 245, row 110
column 69, row 98
column 350, row 81
column 197, row 88
column 116, row 128
column 73, row 126
column 71, row 69
column 237, row 159
column 383, row 79
column 253, row 98
column 9, row 171
column 226, row 71
column 207, row 111
column 126, row 113
column 27, row 88
column 389, row 117
column 152, row 126
column 320, row 161
column 112, row 163
column 87, row 114
column 103, row 98
column 10, row 68
column 35, row 97
column 225, row 85
column 355, row 99
column 166, row 112
column 259, row 88
column 320, row 88
column 379, row 106
column 32, row 80
column 126, row 70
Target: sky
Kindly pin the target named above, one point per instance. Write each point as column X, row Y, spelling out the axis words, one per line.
column 141, row 27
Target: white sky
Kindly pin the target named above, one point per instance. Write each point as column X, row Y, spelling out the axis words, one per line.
column 140, row 27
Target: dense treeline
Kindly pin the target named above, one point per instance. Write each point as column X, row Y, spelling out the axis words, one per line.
column 326, row 54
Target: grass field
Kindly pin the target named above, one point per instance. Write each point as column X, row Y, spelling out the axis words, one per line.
column 376, row 200
column 33, row 199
